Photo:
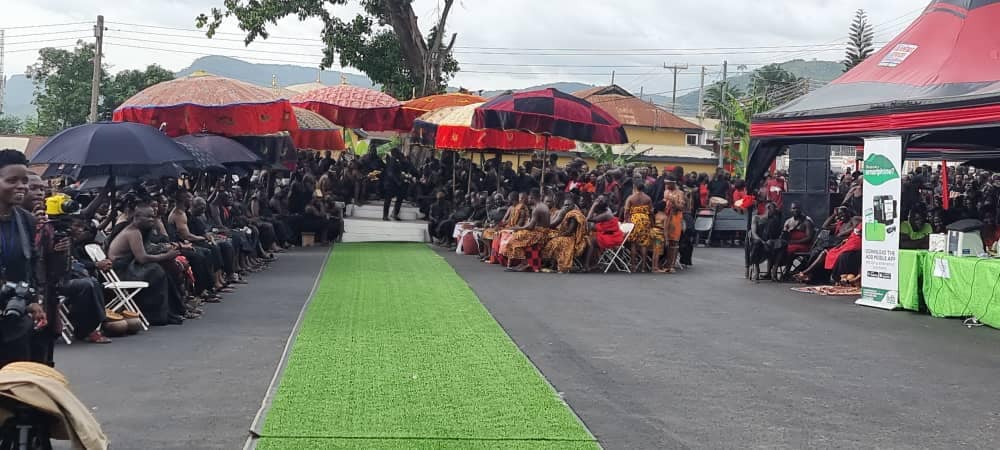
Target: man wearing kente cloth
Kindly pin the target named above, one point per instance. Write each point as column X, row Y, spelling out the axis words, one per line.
column 516, row 216
column 571, row 236
column 674, row 201
column 535, row 232
column 638, row 211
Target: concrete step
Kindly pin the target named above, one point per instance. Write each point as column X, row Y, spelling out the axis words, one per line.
column 376, row 230
column 373, row 211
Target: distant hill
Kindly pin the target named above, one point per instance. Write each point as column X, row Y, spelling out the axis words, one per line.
column 17, row 100
column 822, row 71
column 261, row 74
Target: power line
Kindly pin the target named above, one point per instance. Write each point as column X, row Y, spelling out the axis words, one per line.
column 42, row 41
column 47, row 26
column 47, row 33
column 59, row 47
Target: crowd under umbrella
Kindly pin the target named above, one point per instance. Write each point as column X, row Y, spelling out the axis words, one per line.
column 415, row 108
column 207, row 103
column 352, row 107
column 110, row 149
column 550, row 113
column 451, row 128
column 316, row 132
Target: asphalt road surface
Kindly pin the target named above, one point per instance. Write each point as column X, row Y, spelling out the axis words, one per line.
column 706, row 359
column 198, row 385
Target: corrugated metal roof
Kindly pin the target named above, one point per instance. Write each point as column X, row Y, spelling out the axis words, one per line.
column 632, row 111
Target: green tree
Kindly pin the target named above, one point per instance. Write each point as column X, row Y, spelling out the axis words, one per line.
column 383, row 41
column 62, row 81
column 773, row 81
column 11, row 125
column 127, row 83
column 739, row 113
column 860, row 45
column 715, row 101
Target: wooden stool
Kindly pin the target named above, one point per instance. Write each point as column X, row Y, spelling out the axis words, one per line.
column 308, row 239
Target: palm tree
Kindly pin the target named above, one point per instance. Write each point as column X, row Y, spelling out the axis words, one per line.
column 715, row 100
column 739, row 114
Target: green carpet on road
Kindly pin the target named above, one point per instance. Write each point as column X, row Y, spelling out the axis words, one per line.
column 395, row 351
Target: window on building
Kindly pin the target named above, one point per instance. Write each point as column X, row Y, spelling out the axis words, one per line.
column 692, row 139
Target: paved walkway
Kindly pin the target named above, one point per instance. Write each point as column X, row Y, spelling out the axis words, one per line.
column 199, row 385
column 705, row 359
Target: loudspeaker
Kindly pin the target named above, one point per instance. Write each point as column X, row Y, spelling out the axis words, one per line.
column 809, row 168
column 816, row 205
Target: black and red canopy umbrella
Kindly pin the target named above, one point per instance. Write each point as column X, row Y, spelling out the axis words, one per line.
column 550, row 112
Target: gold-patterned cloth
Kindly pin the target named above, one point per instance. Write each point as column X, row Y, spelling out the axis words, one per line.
column 562, row 248
column 639, row 216
column 517, row 212
column 522, row 240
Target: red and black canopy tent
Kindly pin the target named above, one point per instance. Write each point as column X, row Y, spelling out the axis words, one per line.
column 937, row 85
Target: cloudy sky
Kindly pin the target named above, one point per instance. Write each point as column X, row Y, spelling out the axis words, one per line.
column 502, row 43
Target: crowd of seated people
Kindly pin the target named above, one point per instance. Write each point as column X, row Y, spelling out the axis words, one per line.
column 831, row 253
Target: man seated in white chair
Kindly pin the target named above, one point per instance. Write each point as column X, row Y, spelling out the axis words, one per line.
column 131, row 262
column 84, row 294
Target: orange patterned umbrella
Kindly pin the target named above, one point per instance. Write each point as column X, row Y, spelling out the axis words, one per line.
column 417, row 107
column 352, row 107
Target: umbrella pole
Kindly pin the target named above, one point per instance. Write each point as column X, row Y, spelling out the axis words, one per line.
column 545, row 150
column 470, row 175
column 454, row 173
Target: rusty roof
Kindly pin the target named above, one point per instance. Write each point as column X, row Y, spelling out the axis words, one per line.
column 632, row 111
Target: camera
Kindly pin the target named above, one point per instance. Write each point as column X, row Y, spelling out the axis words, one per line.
column 60, row 209
column 16, row 297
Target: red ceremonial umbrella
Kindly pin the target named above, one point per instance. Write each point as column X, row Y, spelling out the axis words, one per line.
column 415, row 108
column 451, row 129
column 352, row 107
column 316, row 133
column 201, row 103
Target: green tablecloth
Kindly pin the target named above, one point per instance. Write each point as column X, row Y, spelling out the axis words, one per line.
column 961, row 287
column 910, row 277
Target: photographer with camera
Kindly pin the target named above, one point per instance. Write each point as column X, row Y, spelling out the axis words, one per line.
column 20, row 311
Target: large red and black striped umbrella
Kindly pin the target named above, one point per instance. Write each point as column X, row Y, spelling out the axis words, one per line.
column 550, row 112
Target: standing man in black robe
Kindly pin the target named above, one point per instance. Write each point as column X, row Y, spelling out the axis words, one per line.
column 394, row 183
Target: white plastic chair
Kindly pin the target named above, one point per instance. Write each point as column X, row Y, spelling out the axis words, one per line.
column 125, row 291
column 67, row 327
column 616, row 257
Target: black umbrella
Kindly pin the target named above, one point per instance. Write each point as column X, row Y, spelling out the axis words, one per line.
column 224, row 150
column 203, row 160
column 110, row 144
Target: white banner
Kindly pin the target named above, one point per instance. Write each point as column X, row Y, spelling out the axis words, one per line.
column 880, row 247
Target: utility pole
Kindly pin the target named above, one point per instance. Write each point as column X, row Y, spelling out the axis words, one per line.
column 3, row 76
column 701, row 96
column 95, row 83
column 612, row 77
column 722, row 115
column 675, row 68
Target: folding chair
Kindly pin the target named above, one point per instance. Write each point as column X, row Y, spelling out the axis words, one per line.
column 67, row 327
column 704, row 222
column 617, row 257
column 125, row 291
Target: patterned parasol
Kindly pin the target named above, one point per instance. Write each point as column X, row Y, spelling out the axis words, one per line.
column 207, row 103
column 451, row 129
column 316, row 133
column 352, row 107
column 415, row 108
column 550, row 112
